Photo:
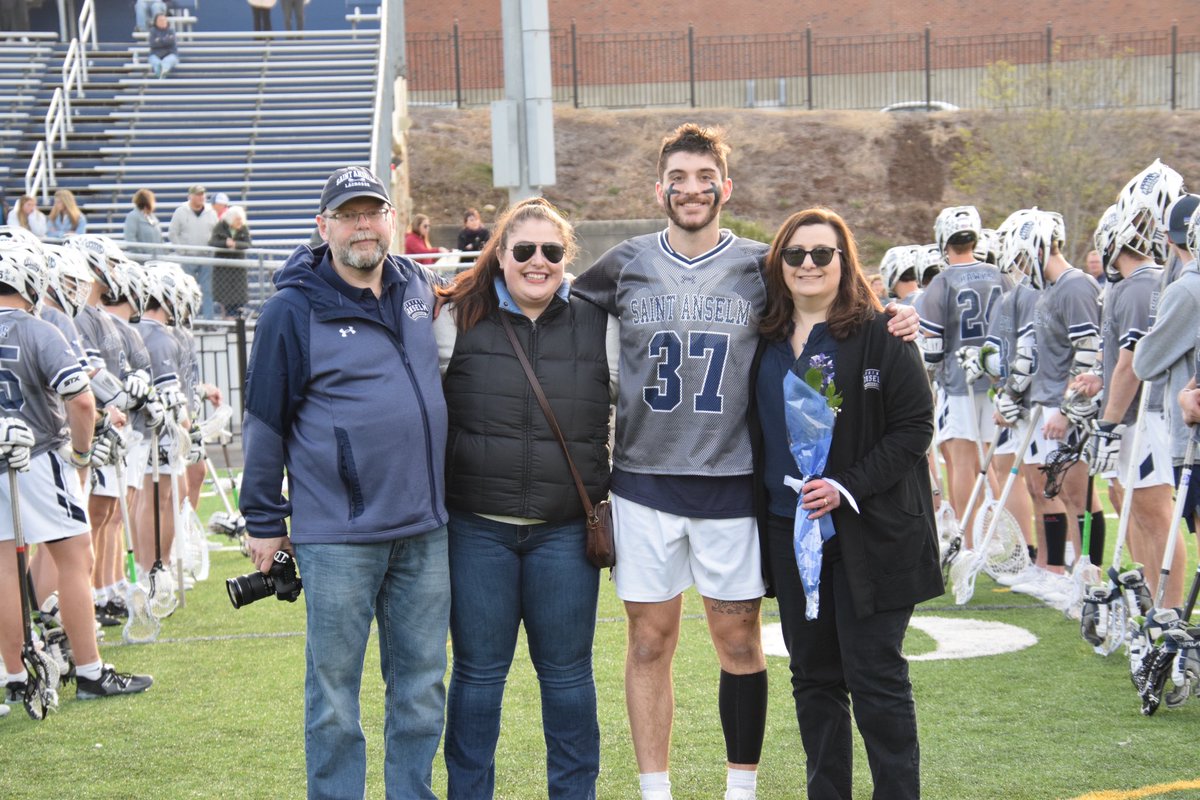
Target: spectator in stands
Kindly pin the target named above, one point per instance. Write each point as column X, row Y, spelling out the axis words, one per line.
column 14, row 15
column 473, row 236
column 1094, row 266
column 261, row 10
column 65, row 216
column 191, row 227
column 231, row 236
column 164, row 56
column 144, row 10
column 220, row 204
column 293, row 14
column 416, row 241
column 25, row 214
column 140, row 223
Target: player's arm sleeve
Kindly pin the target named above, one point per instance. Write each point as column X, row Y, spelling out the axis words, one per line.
column 1171, row 336
column 1133, row 320
column 612, row 350
column 933, row 318
column 598, row 284
column 1082, row 316
column 275, row 381
column 60, row 366
column 908, row 412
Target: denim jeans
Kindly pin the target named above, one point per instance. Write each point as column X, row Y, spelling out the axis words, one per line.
column 404, row 584
column 146, row 10
column 502, row 575
column 203, row 273
column 160, row 66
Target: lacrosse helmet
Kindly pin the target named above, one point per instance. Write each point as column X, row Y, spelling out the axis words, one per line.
column 193, row 297
column 987, row 246
column 24, row 270
column 1193, row 234
column 15, row 234
column 1105, row 240
column 164, row 285
column 1144, row 203
column 929, row 263
column 101, row 253
column 897, row 262
column 136, row 287
column 70, row 279
column 957, row 225
column 1003, row 233
column 1028, row 245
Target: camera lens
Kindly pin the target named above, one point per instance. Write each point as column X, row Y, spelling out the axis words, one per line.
column 249, row 588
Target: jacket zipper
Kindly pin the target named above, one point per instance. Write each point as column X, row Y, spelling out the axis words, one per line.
column 399, row 345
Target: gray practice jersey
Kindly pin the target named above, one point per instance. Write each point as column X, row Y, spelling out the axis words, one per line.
column 689, row 328
column 1124, row 320
column 957, row 306
column 1067, row 311
column 37, row 368
column 133, row 356
column 189, row 369
column 163, row 350
column 1011, row 323
column 66, row 326
column 100, row 339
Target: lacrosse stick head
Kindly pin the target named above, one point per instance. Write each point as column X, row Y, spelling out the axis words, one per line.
column 1006, row 553
column 1114, row 629
column 163, row 599
column 1151, row 677
column 195, row 548
column 40, row 695
column 142, row 626
column 216, row 428
column 963, row 571
column 232, row 526
column 1058, row 463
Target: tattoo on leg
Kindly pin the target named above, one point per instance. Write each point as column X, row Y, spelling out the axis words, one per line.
column 734, row 607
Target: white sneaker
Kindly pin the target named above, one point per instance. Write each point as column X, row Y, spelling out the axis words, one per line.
column 1024, row 575
column 1029, row 579
column 740, row 793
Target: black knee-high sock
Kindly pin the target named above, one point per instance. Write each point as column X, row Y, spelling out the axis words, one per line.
column 1055, row 526
column 742, row 700
column 1096, row 544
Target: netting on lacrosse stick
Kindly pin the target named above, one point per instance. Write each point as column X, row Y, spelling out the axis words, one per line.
column 40, row 693
column 1007, row 553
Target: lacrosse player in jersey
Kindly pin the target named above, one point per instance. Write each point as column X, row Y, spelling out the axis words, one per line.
column 689, row 300
column 46, row 435
column 955, row 311
column 1126, row 240
column 898, row 270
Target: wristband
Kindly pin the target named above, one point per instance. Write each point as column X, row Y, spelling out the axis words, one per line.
column 80, row 460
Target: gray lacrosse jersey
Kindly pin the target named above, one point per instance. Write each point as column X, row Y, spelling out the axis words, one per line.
column 957, row 306
column 37, row 366
column 911, row 299
column 66, row 326
column 1067, row 310
column 1124, row 320
column 133, row 356
column 1012, row 319
column 189, row 368
column 101, row 342
column 164, row 352
column 689, row 329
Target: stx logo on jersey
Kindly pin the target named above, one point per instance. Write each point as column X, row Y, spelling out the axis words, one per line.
column 347, row 331
column 416, row 308
column 871, row 379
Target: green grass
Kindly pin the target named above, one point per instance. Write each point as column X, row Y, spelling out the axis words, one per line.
column 225, row 717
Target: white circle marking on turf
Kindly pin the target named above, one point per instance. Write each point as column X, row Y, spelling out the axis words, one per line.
column 955, row 638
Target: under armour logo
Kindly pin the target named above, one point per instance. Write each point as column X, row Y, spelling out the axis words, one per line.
column 346, row 331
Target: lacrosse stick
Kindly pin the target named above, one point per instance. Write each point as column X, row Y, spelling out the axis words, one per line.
column 191, row 542
column 949, row 531
column 965, row 569
column 40, row 695
column 228, row 522
column 1115, row 629
column 162, row 593
column 142, row 626
column 1008, row 553
column 1181, row 492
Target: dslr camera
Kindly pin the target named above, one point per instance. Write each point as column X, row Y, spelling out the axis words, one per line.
column 282, row 581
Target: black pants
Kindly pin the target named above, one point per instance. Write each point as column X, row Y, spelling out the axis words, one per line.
column 293, row 15
column 262, row 18
column 837, row 658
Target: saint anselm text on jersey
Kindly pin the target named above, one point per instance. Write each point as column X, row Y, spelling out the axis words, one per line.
column 660, row 308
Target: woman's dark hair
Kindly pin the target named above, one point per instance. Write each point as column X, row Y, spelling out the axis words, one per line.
column 854, row 302
column 143, row 199
column 471, row 292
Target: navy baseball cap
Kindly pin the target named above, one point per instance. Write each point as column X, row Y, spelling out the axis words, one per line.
column 1177, row 218
column 351, row 182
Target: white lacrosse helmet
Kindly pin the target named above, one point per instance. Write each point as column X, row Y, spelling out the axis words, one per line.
column 929, row 263
column 1028, row 244
column 164, row 285
column 1144, row 203
column 1105, row 240
column 1193, row 234
column 24, row 270
column 137, row 289
column 70, row 279
column 959, row 223
column 101, row 253
column 987, row 246
column 15, row 234
column 193, row 297
column 1003, row 233
column 896, row 262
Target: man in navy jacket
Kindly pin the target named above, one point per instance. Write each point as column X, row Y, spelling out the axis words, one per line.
column 343, row 393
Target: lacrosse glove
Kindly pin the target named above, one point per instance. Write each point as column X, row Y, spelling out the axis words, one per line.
column 1103, row 446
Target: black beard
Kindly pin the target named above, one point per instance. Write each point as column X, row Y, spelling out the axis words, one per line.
column 690, row 227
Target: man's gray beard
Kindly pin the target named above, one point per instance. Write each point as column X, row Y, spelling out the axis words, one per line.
column 357, row 260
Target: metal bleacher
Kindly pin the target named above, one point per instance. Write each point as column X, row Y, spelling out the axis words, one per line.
column 262, row 117
column 24, row 69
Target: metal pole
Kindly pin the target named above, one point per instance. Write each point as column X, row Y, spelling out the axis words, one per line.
column 239, row 328
column 808, row 64
column 692, row 62
column 1174, row 62
column 928, row 70
column 1049, row 62
column 395, row 65
column 458, row 101
column 574, row 65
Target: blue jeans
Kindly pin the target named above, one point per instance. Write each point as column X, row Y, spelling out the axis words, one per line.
column 203, row 273
column 404, row 584
column 502, row 575
column 163, row 65
column 145, row 10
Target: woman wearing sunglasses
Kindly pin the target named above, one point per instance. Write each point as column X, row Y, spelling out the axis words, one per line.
column 517, row 536
column 875, row 563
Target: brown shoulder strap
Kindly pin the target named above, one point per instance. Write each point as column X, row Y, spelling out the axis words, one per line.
column 545, row 404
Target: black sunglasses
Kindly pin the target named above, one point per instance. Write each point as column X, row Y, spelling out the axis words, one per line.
column 524, row 251
column 821, row 256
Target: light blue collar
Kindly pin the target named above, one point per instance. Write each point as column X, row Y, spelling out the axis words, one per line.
column 510, row 305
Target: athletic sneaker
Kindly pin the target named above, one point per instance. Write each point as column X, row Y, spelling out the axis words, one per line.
column 1030, row 571
column 3, row 710
column 111, row 683
column 14, row 692
column 116, row 608
column 106, row 619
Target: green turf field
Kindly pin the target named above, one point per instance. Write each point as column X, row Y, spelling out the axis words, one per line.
column 224, row 718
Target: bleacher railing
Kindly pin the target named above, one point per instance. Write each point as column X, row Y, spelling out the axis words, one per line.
column 87, row 25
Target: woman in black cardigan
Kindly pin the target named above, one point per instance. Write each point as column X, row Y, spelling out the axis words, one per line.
column 882, row 559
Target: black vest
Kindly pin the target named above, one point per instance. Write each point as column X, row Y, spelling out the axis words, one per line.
column 502, row 457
